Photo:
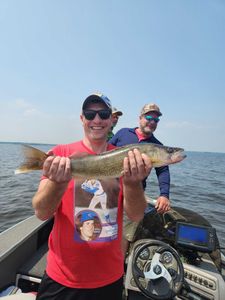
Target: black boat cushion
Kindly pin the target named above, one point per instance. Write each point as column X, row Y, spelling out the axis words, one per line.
column 36, row 265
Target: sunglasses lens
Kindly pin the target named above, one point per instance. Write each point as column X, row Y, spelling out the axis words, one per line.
column 89, row 114
column 150, row 118
column 104, row 114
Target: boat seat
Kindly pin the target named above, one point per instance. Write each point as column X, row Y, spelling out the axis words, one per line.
column 34, row 268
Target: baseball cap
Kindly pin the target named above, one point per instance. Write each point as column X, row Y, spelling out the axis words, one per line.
column 95, row 98
column 150, row 107
column 116, row 111
column 87, row 215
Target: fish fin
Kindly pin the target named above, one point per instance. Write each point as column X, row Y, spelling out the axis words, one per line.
column 33, row 160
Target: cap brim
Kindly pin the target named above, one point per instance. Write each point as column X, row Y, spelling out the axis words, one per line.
column 119, row 113
column 158, row 112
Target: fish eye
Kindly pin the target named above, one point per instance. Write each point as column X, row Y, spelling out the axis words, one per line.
column 170, row 150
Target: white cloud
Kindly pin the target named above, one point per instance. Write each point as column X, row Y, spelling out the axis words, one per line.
column 21, row 103
column 22, row 121
column 26, row 108
column 18, row 107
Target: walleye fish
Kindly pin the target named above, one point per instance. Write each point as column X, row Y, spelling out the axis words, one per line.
column 107, row 164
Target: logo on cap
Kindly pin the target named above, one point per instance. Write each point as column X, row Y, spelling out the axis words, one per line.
column 87, row 215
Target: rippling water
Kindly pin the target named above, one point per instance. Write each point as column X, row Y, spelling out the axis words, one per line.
column 16, row 191
column 197, row 183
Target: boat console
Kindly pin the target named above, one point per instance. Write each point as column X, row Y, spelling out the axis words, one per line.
column 174, row 256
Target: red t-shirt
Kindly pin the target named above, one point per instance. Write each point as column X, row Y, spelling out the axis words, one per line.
column 85, row 242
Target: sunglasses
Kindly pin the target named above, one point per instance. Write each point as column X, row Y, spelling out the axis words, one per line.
column 104, row 114
column 150, row 118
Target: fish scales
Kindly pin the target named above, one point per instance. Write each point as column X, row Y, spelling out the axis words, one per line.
column 107, row 164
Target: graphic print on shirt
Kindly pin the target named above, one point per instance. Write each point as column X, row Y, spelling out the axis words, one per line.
column 96, row 204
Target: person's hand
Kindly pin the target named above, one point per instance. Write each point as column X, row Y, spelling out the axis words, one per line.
column 162, row 204
column 57, row 169
column 136, row 167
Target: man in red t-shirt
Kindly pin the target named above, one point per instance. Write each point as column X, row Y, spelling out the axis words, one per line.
column 85, row 259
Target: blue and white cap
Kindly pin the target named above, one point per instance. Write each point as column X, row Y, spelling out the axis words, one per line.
column 95, row 98
column 87, row 215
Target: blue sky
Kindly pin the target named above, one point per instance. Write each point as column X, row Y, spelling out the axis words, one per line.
column 53, row 54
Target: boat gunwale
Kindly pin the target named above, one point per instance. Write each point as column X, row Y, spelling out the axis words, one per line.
column 13, row 237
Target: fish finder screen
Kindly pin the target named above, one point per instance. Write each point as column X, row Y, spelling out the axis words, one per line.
column 193, row 234
column 195, row 237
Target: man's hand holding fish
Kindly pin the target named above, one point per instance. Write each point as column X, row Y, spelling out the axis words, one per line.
column 57, row 169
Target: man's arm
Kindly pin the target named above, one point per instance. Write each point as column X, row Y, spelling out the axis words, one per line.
column 163, row 202
column 137, row 166
column 163, row 175
column 51, row 189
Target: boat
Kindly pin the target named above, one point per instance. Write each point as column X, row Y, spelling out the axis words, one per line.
column 172, row 256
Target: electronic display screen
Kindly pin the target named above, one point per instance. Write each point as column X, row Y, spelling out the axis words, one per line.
column 193, row 234
column 195, row 237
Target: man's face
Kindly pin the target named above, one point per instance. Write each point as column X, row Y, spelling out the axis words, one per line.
column 87, row 230
column 115, row 118
column 98, row 128
column 148, row 126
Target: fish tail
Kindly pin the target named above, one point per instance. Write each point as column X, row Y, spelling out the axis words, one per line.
column 33, row 160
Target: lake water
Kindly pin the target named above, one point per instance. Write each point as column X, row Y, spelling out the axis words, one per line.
column 197, row 183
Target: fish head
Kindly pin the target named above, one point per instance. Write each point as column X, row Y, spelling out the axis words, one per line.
column 164, row 155
column 174, row 155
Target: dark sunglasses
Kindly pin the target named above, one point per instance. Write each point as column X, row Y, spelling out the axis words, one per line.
column 104, row 114
column 150, row 118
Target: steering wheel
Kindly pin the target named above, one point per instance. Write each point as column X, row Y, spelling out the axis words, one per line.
column 157, row 270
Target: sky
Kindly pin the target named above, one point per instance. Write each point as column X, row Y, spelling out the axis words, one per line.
column 53, row 54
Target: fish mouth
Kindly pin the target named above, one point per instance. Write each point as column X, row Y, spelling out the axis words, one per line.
column 178, row 156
